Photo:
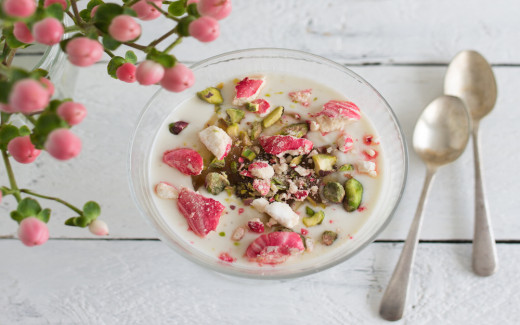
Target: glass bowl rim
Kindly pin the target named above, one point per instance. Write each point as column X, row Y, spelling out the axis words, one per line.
column 224, row 269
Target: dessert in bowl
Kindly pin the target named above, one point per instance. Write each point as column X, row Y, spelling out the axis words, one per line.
column 275, row 164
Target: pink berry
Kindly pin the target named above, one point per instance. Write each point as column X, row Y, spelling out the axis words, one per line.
column 124, row 28
column 63, row 3
column 205, row 29
column 48, row 31
column 98, row 228
column 33, row 232
column 149, row 73
column 192, row 1
column 62, row 144
column 218, row 9
column 83, row 51
column 6, row 108
column 126, row 72
column 19, row 8
column 28, row 96
column 48, row 85
column 73, row 113
column 22, row 32
column 178, row 78
column 146, row 11
column 22, row 150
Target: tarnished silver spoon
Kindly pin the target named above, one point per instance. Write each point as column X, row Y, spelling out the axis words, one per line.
column 470, row 77
column 440, row 137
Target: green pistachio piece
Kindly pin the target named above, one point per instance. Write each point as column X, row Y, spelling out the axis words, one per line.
column 234, row 167
column 216, row 183
column 244, row 138
column 249, row 154
column 315, row 219
column 323, row 162
column 310, row 212
column 232, row 130
column 353, row 195
column 273, row 117
column 334, row 192
column 215, row 163
column 346, row 168
column 297, row 130
column 252, row 107
column 256, row 130
column 235, row 115
column 328, row 237
column 211, row 95
column 296, row 161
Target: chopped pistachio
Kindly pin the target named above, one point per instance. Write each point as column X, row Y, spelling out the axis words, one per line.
column 234, row 167
column 273, row 117
column 252, row 107
column 311, row 201
column 310, row 212
column 248, row 154
column 215, row 163
column 216, row 183
column 230, row 190
column 297, row 130
column 177, row 127
column 346, row 168
column 244, row 138
column 315, row 219
column 296, row 161
column 323, row 162
column 211, row 95
column 256, row 130
column 353, row 195
column 235, row 115
column 328, row 237
column 232, row 130
column 334, row 192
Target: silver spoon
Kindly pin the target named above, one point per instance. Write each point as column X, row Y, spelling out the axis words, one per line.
column 470, row 77
column 439, row 138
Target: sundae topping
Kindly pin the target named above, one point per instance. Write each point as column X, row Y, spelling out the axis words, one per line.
column 201, row 213
column 335, row 115
column 216, row 140
column 187, row 161
column 247, row 90
column 275, row 247
column 280, row 145
column 302, row 97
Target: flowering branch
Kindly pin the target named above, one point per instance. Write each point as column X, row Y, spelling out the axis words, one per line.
column 100, row 28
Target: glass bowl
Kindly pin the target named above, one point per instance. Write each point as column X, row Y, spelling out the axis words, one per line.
column 280, row 61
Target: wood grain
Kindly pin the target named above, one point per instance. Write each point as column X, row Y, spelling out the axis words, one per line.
column 125, row 282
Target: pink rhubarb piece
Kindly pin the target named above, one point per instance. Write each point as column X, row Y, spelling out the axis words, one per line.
column 262, row 186
column 201, row 213
column 275, row 247
column 187, row 161
column 263, row 106
column 345, row 143
column 340, row 109
column 301, row 96
column 279, row 145
column 247, row 90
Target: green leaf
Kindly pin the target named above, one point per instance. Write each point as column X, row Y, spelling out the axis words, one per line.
column 29, row 207
column 177, row 8
column 5, row 90
column 44, row 215
column 71, row 222
column 104, row 15
column 166, row 60
column 183, row 26
column 55, row 10
column 53, row 105
column 39, row 73
column 82, row 222
column 85, row 15
column 192, row 10
column 92, row 3
column 11, row 41
column 131, row 57
column 91, row 210
column 24, row 130
column 109, row 43
column 46, row 123
column 114, row 64
column 17, row 216
column 129, row 12
column 7, row 133
column 19, row 74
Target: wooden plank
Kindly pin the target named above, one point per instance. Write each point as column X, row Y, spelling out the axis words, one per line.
column 100, row 171
column 127, row 282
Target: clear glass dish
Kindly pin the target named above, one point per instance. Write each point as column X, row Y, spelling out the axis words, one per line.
column 280, row 61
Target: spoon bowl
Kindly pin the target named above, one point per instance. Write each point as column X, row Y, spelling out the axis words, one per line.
column 442, row 131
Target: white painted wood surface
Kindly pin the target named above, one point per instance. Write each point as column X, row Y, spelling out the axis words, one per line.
column 71, row 280
column 128, row 282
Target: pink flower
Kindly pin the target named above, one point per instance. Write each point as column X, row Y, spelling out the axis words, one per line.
column 72, row 112
column 19, row 8
column 98, row 228
column 146, row 11
column 83, row 51
column 126, row 72
column 62, row 144
column 204, row 29
column 149, row 73
column 48, row 31
column 22, row 150
column 178, row 78
column 218, row 9
column 63, row 3
column 33, row 231
column 28, row 96
column 22, row 33
column 124, row 28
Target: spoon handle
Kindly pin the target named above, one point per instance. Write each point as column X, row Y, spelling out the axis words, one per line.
column 394, row 298
column 484, row 248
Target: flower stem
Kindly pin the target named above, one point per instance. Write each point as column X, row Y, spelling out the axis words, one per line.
column 72, row 29
column 137, row 46
column 78, row 19
column 162, row 38
column 165, row 13
column 65, row 203
column 109, row 53
column 10, row 174
column 172, row 45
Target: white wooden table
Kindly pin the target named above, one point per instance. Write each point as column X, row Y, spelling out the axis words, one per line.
column 402, row 47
